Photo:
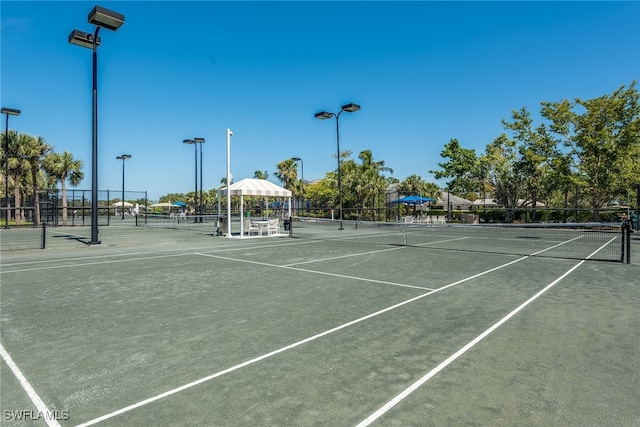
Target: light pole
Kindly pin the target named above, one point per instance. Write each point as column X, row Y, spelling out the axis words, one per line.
column 229, row 133
column 123, row 158
column 101, row 18
column 8, row 112
column 200, row 141
column 195, row 194
column 323, row 115
column 298, row 159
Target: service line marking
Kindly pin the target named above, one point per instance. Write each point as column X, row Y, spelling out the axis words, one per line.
column 286, row 348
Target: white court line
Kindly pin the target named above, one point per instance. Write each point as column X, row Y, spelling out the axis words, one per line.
column 343, row 256
column 52, row 267
column 288, row 267
column 413, row 387
column 181, row 249
column 73, row 262
column 283, row 349
column 47, row 415
column 369, row 253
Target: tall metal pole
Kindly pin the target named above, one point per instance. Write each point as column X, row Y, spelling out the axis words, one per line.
column 638, row 208
column 326, row 115
column 229, row 133
column 298, row 159
column 195, row 194
column 6, row 173
column 339, row 173
column 123, row 158
column 94, row 147
column 111, row 20
column 122, row 188
column 201, row 203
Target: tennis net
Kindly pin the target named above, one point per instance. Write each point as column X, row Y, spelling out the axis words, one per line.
column 594, row 241
column 206, row 224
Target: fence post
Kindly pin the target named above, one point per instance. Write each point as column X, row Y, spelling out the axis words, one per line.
column 628, row 239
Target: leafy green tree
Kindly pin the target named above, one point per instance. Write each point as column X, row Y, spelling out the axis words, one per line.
column 174, row 197
column 322, row 192
column 602, row 136
column 462, row 167
column 536, row 150
column 506, row 180
column 63, row 167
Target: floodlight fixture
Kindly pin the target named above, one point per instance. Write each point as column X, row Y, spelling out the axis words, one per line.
column 189, row 141
column 11, row 111
column 83, row 39
column 323, row 115
column 106, row 18
column 350, row 108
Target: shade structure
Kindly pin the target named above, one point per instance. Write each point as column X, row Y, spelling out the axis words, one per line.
column 255, row 187
column 126, row 204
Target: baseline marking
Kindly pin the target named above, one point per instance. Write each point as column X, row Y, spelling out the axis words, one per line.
column 289, row 347
column 48, row 416
column 413, row 387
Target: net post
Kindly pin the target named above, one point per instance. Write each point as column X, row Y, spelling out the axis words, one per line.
column 627, row 232
column 44, row 235
column 290, row 226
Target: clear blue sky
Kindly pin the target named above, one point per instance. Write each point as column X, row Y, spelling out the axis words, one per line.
column 423, row 72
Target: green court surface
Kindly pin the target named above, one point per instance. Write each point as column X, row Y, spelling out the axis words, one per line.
column 179, row 328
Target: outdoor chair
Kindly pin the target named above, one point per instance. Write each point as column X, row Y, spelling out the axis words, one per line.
column 273, row 227
column 249, row 227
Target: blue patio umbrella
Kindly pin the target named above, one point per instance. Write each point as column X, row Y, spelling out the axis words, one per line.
column 413, row 200
column 181, row 204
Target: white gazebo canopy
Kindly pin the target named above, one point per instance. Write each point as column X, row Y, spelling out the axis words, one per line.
column 254, row 187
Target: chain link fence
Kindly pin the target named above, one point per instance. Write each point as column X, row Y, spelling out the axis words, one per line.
column 23, row 237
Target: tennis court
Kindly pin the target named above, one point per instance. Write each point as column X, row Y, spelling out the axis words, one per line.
column 327, row 327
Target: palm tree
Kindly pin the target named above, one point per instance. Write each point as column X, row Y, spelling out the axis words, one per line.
column 12, row 145
column 35, row 152
column 18, row 167
column 287, row 172
column 372, row 182
column 62, row 167
column 261, row 174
